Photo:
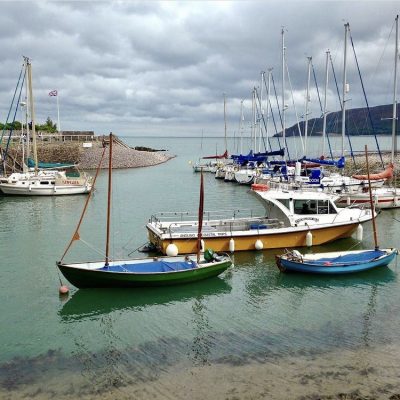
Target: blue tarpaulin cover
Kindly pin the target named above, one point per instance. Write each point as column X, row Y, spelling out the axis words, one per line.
column 365, row 256
column 153, row 266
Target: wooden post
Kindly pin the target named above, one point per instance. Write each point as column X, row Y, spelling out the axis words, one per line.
column 109, row 201
column 372, row 203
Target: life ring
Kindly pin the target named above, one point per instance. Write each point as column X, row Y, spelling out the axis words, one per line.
column 259, row 187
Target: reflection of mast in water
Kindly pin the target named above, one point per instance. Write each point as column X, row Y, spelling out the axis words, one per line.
column 370, row 312
column 201, row 346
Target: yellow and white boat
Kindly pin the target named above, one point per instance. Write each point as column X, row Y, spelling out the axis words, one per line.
column 292, row 219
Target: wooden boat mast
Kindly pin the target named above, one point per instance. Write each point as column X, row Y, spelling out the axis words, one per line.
column 200, row 218
column 109, row 201
column 371, row 202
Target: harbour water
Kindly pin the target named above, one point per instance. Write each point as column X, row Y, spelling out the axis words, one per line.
column 251, row 333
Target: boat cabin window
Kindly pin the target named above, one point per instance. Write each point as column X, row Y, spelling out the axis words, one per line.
column 285, row 202
column 313, row 207
column 44, row 182
column 326, row 207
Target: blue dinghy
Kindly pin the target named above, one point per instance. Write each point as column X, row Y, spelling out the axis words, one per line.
column 341, row 262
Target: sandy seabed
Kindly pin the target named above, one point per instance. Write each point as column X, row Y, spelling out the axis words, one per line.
column 367, row 373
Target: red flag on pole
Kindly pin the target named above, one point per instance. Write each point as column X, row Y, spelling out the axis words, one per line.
column 53, row 93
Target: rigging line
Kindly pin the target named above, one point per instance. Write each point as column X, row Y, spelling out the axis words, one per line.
column 341, row 107
column 270, row 107
column 295, row 111
column 384, row 50
column 76, row 236
column 316, row 86
column 12, row 102
column 366, row 101
column 96, row 250
column 12, row 124
column 134, row 250
column 279, row 110
column 273, row 120
column 262, row 117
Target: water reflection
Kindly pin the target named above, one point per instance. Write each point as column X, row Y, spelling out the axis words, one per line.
column 377, row 277
column 88, row 303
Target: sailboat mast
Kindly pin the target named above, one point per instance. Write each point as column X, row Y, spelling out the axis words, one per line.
column 307, row 105
column 325, row 102
column 241, row 126
column 253, row 122
column 268, row 102
column 394, row 121
column 226, row 144
column 109, row 201
column 261, row 111
column 283, row 91
column 32, row 110
column 346, row 27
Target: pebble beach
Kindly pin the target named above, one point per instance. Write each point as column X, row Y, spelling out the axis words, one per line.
column 89, row 158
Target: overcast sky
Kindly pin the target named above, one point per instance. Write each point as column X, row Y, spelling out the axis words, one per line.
column 161, row 68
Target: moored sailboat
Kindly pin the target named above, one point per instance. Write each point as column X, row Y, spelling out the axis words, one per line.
column 342, row 262
column 142, row 271
column 46, row 182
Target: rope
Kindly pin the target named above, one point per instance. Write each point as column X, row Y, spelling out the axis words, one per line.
column 12, row 102
column 76, row 236
column 277, row 104
column 366, row 101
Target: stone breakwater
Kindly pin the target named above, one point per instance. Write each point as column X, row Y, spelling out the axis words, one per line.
column 122, row 158
column 89, row 158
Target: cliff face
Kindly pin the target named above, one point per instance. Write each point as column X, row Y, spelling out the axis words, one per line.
column 358, row 122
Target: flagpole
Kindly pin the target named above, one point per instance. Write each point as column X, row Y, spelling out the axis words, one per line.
column 58, row 116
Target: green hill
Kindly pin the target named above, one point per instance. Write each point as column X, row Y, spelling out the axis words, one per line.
column 357, row 122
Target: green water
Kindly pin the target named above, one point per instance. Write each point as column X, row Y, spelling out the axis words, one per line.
column 152, row 343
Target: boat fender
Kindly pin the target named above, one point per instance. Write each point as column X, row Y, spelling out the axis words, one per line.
column 232, row 245
column 359, row 232
column 259, row 244
column 348, row 202
column 309, row 239
column 202, row 247
column 172, row 250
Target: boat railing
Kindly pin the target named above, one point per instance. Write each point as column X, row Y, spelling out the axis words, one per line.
column 224, row 225
column 182, row 216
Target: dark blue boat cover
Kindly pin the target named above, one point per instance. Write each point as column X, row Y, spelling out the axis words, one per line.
column 365, row 256
column 153, row 266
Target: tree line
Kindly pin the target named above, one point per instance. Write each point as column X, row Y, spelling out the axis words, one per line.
column 49, row 126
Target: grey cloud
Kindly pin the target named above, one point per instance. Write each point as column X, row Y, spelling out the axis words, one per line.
column 161, row 67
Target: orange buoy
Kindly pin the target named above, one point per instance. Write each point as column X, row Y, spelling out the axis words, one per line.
column 63, row 290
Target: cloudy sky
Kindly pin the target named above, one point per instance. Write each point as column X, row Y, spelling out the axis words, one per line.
column 161, row 67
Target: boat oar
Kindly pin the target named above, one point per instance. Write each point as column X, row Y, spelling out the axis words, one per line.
column 370, row 199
